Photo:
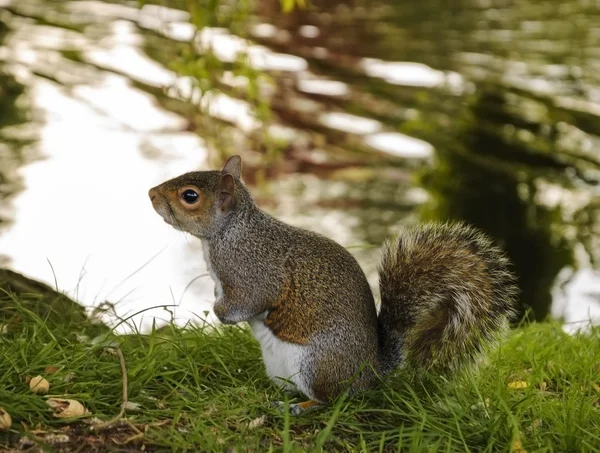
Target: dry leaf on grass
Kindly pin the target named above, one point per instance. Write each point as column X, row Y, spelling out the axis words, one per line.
column 50, row 369
column 131, row 406
column 257, row 422
column 64, row 408
column 5, row 419
column 518, row 385
column 39, row 385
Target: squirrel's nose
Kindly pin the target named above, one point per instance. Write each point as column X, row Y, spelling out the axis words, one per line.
column 152, row 193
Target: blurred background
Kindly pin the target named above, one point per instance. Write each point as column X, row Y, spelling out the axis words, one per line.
column 354, row 118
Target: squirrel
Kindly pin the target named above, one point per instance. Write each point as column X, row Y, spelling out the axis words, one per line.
column 446, row 290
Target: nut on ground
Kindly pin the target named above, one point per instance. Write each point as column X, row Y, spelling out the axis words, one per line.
column 39, row 385
column 5, row 419
column 64, row 408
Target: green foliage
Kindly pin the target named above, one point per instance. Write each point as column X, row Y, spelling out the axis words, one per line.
column 207, row 71
column 204, row 389
column 289, row 5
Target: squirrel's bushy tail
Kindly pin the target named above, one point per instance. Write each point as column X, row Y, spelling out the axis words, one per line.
column 446, row 293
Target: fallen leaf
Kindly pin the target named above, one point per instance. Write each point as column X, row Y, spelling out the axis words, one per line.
column 131, row 406
column 5, row 419
column 39, row 385
column 518, row 385
column 64, row 408
column 596, row 387
column 257, row 422
column 50, row 369
column 543, row 386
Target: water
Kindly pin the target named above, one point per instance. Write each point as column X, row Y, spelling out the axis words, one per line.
column 387, row 113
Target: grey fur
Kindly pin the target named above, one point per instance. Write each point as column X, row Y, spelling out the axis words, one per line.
column 314, row 293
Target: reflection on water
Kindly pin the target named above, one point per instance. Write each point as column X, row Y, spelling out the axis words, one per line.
column 496, row 196
column 529, row 193
column 495, row 106
column 83, row 214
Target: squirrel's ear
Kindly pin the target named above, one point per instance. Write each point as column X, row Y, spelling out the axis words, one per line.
column 226, row 191
column 233, row 166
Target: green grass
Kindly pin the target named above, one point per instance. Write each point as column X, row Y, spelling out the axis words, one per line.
column 201, row 389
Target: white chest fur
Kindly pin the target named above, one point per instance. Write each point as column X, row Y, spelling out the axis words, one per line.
column 218, row 286
column 284, row 361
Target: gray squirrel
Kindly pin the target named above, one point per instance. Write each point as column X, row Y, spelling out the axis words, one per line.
column 446, row 291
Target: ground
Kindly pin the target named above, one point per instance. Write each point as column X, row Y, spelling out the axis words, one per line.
column 204, row 389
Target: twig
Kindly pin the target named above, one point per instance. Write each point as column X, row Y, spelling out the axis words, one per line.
column 133, row 427
column 133, row 438
column 119, row 416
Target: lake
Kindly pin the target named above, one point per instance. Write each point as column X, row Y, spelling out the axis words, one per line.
column 383, row 114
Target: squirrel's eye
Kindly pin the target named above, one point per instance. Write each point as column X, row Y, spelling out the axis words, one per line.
column 190, row 196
